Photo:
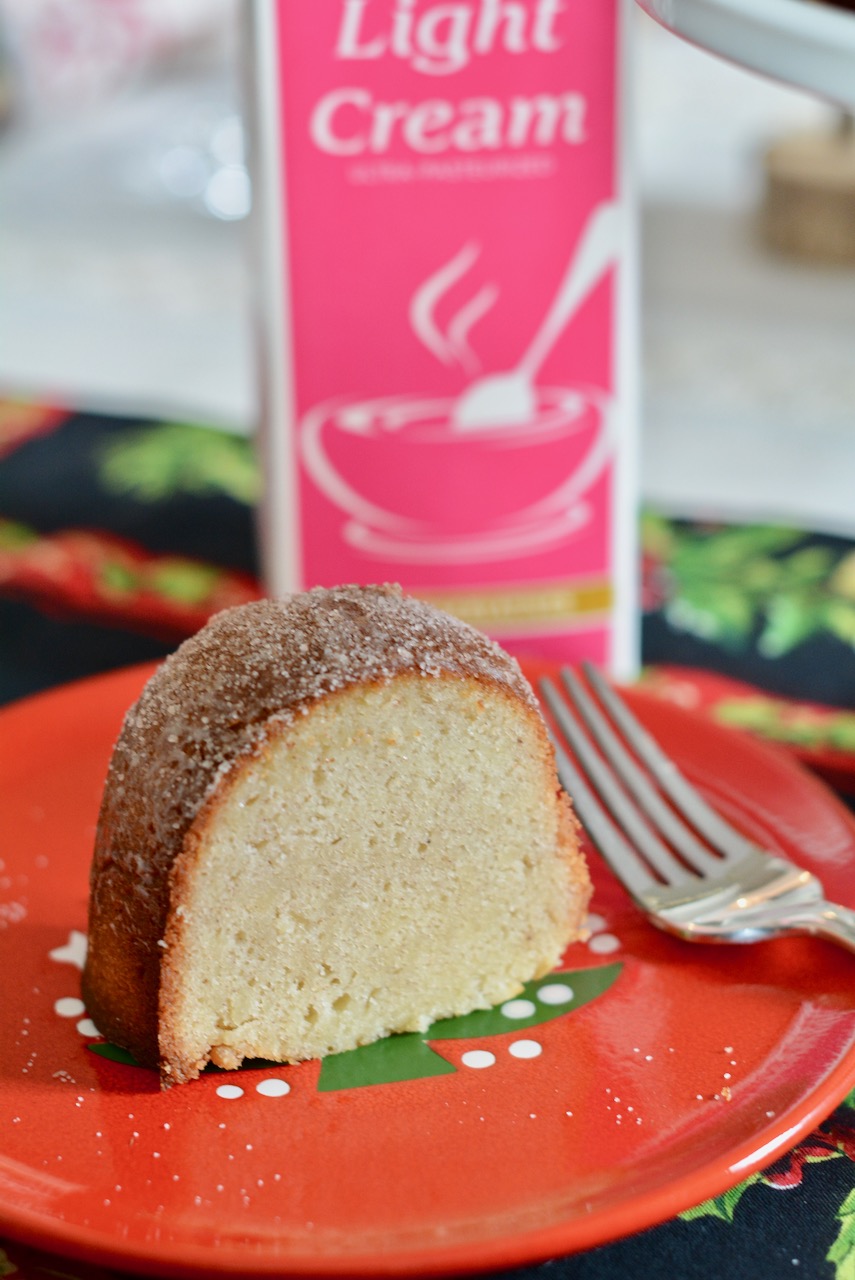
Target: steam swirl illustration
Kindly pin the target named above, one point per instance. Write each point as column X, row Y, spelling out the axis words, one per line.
column 451, row 346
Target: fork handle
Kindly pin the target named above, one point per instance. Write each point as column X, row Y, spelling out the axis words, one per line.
column 825, row 920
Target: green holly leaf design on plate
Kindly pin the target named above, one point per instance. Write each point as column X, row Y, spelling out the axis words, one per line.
column 115, row 1054
column 410, row 1057
column 388, row 1061
column 539, row 1001
column 112, row 1052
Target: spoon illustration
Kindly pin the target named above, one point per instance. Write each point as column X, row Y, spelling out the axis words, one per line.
column 508, row 399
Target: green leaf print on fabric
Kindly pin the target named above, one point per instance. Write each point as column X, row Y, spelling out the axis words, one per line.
column 842, row 1252
column 789, row 723
column 840, row 620
column 834, row 1139
column 186, row 581
column 723, row 1206
column 157, row 462
column 761, row 586
column 14, row 536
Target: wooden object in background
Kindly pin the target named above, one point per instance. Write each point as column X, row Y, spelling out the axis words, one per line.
column 809, row 204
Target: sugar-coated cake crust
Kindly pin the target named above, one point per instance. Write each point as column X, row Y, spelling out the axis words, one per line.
column 213, row 704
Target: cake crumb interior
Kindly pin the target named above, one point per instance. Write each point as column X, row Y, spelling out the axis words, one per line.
column 388, row 860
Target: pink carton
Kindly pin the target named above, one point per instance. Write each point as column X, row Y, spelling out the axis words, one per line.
column 447, row 285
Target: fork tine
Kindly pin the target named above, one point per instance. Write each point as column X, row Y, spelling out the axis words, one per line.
column 695, row 854
column 618, row 852
column 720, row 834
column 752, row 894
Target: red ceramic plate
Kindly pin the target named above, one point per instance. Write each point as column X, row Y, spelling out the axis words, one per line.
column 648, row 1076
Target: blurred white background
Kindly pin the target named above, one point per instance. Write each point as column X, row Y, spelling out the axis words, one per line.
column 123, row 269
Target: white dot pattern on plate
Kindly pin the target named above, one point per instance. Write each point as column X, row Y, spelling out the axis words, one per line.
column 600, row 942
column 229, row 1091
column 555, row 993
column 273, row 1088
column 478, row 1059
column 525, row 1049
column 69, row 1007
column 73, row 952
column 87, row 1027
column 518, row 1008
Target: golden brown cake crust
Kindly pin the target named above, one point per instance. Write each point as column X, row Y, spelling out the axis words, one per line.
column 212, row 704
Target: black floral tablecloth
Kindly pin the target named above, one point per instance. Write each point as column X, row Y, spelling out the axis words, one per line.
column 119, row 536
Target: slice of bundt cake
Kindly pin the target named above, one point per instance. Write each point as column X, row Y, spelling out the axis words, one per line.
column 326, row 819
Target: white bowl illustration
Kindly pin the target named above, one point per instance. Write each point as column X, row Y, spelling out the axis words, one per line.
column 400, row 465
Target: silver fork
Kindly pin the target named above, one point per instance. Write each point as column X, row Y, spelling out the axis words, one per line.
column 692, row 872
